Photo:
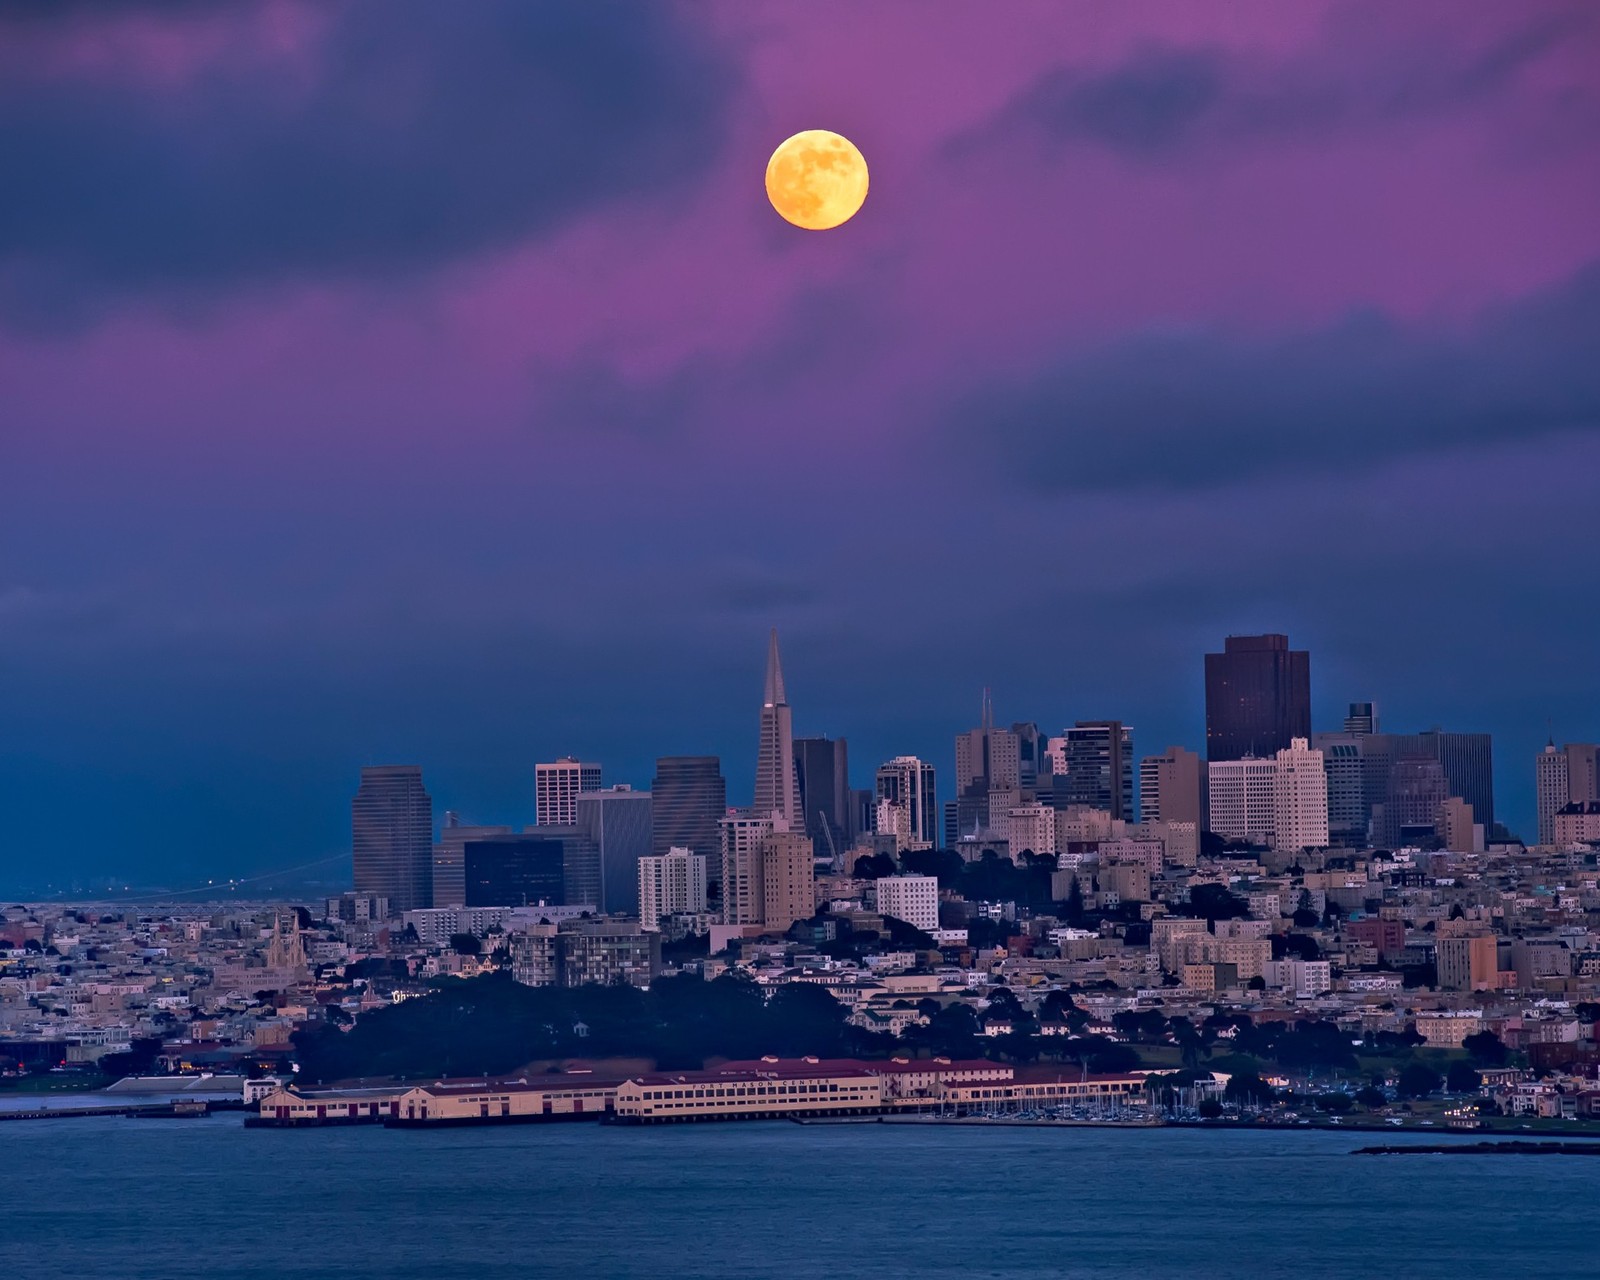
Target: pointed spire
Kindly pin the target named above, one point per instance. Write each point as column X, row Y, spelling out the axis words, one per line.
column 774, row 694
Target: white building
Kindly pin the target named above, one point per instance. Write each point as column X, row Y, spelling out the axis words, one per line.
column 671, row 884
column 1300, row 798
column 1303, row 979
column 914, row 899
column 557, row 787
column 1243, row 798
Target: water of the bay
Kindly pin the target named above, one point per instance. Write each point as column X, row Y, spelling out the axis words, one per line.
column 160, row 1199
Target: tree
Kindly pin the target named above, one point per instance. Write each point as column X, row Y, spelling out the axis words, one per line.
column 1210, row 1109
column 1371, row 1097
column 465, row 944
column 1486, row 1049
column 1247, row 1090
column 1418, row 1081
column 1214, row 902
column 875, row 867
column 1072, row 912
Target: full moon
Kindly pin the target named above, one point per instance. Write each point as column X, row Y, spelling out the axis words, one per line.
column 817, row 179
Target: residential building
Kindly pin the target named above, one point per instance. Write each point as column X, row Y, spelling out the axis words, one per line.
column 576, row 953
column 1169, row 787
column 1097, row 758
column 1563, row 776
column 742, row 835
column 788, row 879
column 673, row 884
column 391, row 836
column 1030, row 827
column 1578, row 824
column 913, row 899
column 1467, row 962
column 908, row 783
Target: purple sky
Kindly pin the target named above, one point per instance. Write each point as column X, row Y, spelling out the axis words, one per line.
column 431, row 383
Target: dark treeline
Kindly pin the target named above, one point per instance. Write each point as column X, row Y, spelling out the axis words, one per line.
column 492, row 1026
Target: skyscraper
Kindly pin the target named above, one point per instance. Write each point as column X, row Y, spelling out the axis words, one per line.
column 1169, row 787
column 777, row 789
column 824, row 772
column 1563, row 776
column 688, row 799
column 619, row 821
column 1550, row 789
column 988, row 764
column 1467, row 760
column 741, row 836
column 557, row 787
column 1362, row 718
column 449, row 859
column 788, row 879
column 1258, row 697
column 1098, row 755
column 1350, row 793
column 515, row 871
column 391, row 836
column 1413, row 803
column 907, row 784
column 1300, row 799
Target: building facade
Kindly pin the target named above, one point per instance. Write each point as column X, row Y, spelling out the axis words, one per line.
column 1300, row 798
column 1243, row 798
column 913, row 899
column 688, row 797
column 1169, row 787
column 673, row 884
column 823, row 767
column 908, row 784
column 619, row 822
column 391, row 836
column 1098, row 769
column 557, row 787
column 1258, row 697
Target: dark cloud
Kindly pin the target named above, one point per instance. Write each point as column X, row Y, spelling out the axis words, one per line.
column 419, row 132
column 1201, row 409
column 1165, row 98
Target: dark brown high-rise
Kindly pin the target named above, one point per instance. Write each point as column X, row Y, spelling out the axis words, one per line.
column 1258, row 697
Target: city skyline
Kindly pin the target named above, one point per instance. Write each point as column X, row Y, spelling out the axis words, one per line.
column 305, row 470
column 523, row 812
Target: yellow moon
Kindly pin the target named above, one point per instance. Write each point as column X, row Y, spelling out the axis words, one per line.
column 817, row 179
